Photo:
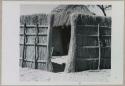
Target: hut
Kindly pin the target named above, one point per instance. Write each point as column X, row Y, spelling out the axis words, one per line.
column 62, row 26
column 75, row 35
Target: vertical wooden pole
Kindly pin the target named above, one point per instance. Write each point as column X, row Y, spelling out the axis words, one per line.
column 37, row 44
column 35, row 52
column 49, row 43
column 99, row 48
column 36, row 48
column 24, row 46
column 70, row 64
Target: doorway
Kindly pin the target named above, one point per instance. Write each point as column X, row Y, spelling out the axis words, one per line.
column 60, row 47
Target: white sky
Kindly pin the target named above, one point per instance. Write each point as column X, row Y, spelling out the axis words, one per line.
column 47, row 8
column 34, row 9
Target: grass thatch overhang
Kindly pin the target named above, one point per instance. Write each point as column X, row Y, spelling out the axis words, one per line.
column 41, row 19
column 62, row 13
column 82, row 19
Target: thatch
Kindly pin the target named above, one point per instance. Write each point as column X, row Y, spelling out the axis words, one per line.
column 87, row 58
column 41, row 19
column 87, row 43
column 63, row 12
column 82, row 19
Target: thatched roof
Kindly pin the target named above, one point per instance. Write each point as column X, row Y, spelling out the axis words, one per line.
column 81, row 19
column 41, row 19
column 62, row 13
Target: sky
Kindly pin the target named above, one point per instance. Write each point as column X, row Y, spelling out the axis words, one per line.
column 47, row 8
column 34, row 9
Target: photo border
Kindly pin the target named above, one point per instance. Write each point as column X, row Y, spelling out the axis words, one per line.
column 53, row 1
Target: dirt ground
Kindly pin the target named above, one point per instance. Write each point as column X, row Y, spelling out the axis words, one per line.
column 27, row 74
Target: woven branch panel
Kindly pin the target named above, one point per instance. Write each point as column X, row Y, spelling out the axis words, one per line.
column 93, row 41
column 34, row 41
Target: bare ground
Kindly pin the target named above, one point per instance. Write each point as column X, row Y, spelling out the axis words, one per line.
column 27, row 74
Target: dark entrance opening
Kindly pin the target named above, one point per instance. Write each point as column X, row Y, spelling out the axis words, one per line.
column 60, row 47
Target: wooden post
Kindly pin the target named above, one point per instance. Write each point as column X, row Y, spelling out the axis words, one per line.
column 24, row 47
column 49, row 44
column 99, row 48
column 70, row 64
column 36, row 48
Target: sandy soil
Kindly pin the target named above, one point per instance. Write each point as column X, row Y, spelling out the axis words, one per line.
column 27, row 74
